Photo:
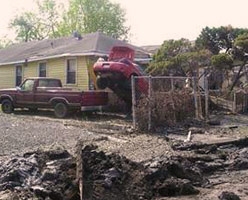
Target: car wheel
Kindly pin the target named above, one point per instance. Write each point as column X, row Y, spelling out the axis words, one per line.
column 7, row 106
column 102, row 83
column 60, row 110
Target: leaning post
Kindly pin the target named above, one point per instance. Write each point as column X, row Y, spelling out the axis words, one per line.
column 195, row 98
column 150, row 103
column 206, row 97
column 133, row 102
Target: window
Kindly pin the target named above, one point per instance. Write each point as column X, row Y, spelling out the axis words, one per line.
column 71, row 71
column 42, row 70
column 49, row 83
column 18, row 75
column 28, row 85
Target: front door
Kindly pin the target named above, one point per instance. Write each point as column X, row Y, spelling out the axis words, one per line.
column 25, row 95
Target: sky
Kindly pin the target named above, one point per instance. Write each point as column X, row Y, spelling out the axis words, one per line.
column 153, row 21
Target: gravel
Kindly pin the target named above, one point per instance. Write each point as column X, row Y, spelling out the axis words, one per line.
column 26, row 133
column 22, row 133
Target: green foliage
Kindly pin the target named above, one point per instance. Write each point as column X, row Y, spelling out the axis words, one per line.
column 218, row 39
column 5, row 42
column 222, row 61
column 27, row 27
column 88, row 16
column 241, row 43
column 178, row 57
column 83, row 16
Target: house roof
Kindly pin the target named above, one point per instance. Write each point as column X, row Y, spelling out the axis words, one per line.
column 96, row 44
column 151, row 48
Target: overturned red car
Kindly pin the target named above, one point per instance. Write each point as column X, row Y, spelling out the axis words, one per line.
column 116, row 73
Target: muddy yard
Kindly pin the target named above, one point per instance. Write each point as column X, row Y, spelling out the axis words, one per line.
column 39, row 158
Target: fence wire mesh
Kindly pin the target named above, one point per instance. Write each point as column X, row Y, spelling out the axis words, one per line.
column 163, row 101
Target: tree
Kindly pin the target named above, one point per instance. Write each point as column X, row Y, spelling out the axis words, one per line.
column 86, row 16
column 218, row 39
column 178, row 57
column 37, row 26
column 83, row 16
column 5, row 42
column 49, row 14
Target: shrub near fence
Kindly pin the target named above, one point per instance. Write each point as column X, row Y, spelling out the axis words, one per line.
column 166, row 101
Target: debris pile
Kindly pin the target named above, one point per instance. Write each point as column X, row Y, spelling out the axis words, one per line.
column 113, row 177
column 167, row 108
column 107, row 176
column 49, row 174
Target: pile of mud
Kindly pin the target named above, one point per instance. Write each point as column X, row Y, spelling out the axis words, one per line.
column 108, row 177
column 105, row 176
column 42, row 175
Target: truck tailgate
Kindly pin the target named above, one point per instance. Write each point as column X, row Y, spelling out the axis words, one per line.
column 94, row 98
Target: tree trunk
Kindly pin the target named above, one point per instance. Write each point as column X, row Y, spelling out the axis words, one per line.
column 238, row 76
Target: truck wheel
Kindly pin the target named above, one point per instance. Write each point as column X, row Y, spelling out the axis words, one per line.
column 60, row 110
column 7, row 106
column 102, row 83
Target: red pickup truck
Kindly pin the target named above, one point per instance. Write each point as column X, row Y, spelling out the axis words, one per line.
column 116, row 73
column 36, row 93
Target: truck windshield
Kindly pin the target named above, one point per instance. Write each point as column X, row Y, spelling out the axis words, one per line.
column 28, row 85
column 49, row 83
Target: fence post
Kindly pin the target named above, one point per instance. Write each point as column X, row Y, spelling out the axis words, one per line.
column 150, row 104
column 195, row 98
column 234, row 102
column 206, row 96
column 172, row 82
column 133, row 102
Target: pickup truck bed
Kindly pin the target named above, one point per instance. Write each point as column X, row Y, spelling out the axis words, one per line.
column 33, row 95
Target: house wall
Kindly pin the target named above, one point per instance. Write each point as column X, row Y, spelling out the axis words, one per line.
column 56, row 68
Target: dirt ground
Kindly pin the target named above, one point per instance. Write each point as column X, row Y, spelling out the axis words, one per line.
column 218, row 154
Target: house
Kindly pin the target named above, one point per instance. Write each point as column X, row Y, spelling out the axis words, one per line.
column 70, row 59
column 152, row 49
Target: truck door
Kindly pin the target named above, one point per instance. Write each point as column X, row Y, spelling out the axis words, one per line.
column 25, row 94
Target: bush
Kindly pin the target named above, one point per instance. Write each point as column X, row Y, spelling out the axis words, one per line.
column 167, row 108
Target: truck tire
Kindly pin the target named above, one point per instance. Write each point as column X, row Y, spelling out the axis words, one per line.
column 60, row 110
column 7, row 106
column 101, row 83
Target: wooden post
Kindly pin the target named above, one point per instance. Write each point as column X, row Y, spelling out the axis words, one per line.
column 133, row 102
column 206, row 97
column 150, row 104
column 172, row 82
column 234, row 102
column 195, row 98
column 79, row 170
column 199, row 94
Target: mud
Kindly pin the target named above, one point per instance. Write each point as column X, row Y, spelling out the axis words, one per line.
column 108, row 176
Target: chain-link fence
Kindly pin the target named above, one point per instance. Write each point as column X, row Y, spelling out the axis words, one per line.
column 167, row 101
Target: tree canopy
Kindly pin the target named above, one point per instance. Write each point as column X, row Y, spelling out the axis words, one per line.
column 218, row 39
column 84, row 16
column 178, row 57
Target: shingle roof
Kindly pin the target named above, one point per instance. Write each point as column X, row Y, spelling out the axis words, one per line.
column 151, row 48
column 90, row 44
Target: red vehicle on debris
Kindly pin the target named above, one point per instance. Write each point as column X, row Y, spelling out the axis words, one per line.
column 36, row 93
column 116, row 73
